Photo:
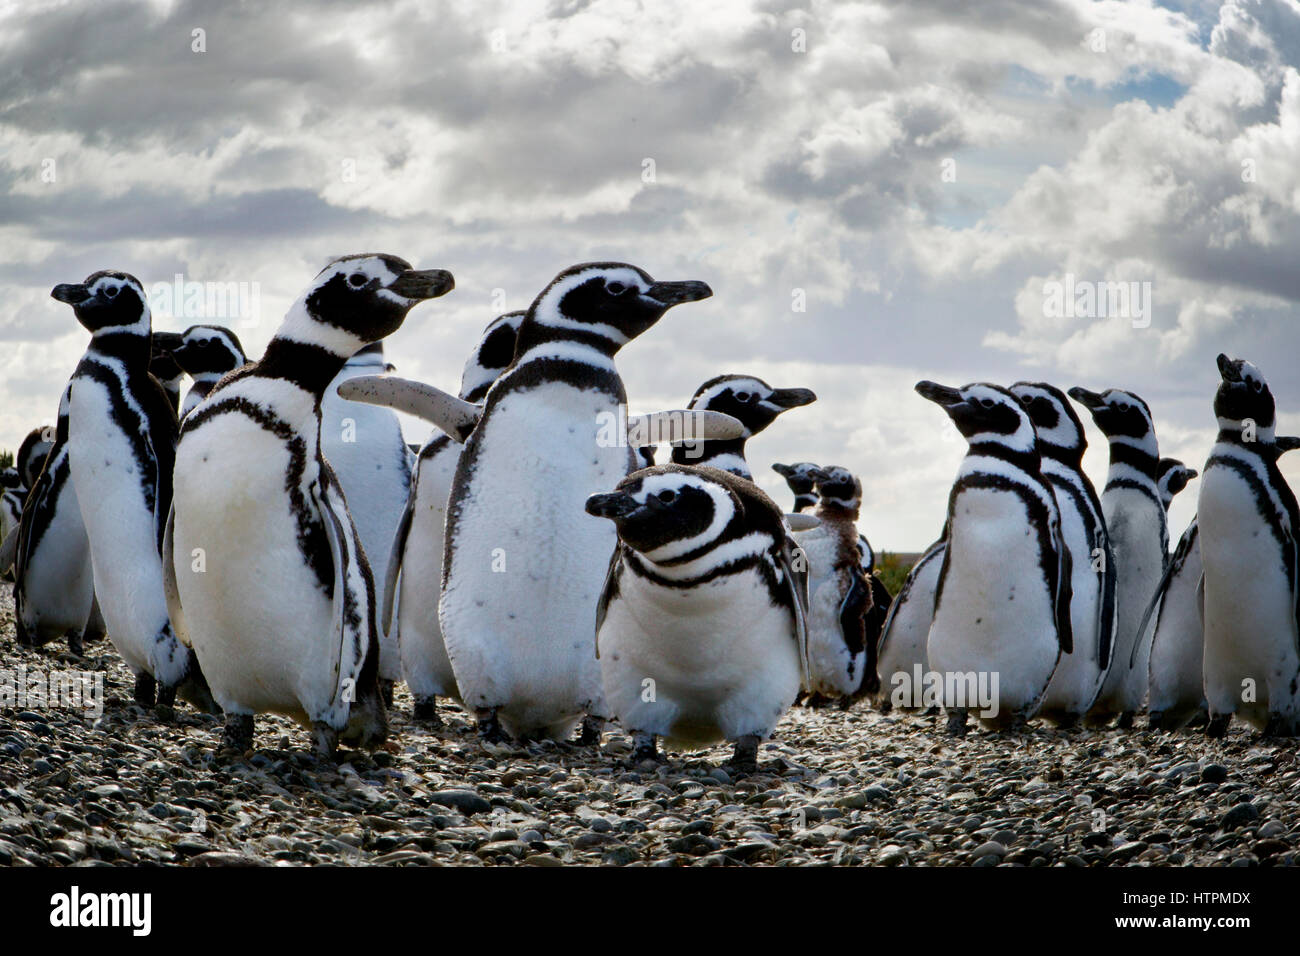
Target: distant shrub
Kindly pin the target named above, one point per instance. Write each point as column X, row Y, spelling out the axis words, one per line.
column 893, row 569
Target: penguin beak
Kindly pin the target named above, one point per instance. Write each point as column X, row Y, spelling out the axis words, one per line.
column 70, row 292
column 1089, row 400
column 940, row 394
column 792, row 397
column 419, row 284
column 669, row 294
column 615, row 505
column 1229, row 370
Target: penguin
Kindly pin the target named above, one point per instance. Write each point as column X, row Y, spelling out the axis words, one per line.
column 121, row 442
column 260, row 504
column 751, row 401
column 32, row 453
column 1172, row 476
column 364, row 445
column 1138, row 529
column 163, row 366
column 54, row 588
column 415, row 568
column 1249, row 534
column 207, row 353
column 700, row 627
column 12, row 495
column 1176, row 674
column 840, row 656
column 1061, row 444
column 1002, row 605
column 900, row 654
column 522, row 571
column 801, row 479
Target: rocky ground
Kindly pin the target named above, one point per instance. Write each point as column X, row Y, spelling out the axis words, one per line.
column 846, row 788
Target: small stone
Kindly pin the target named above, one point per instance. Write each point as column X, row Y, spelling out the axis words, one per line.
column 1214, row 773
column 991, row 848
column 1239, row 816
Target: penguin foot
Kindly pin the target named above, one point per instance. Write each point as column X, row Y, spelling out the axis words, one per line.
column 957, row 722
column 1124, row 721
column 425, row 712
column 592, row 728
column 645, row 747
column 1217, row 726
column 166, row 707
column 1279, row 726
column 324, row 740
column 844, row 703
column 146, row 690
column 75, row 647
column 386, row 691
column 489, row 727
column 238, row 733
column 745, row 758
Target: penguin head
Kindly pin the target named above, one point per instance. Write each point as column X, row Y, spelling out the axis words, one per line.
column 107, row 301
column 10, row 479
column 750, row 400
column 611, row 301
column 801, row 477
column 1172, row 477
column 162, row 358
column 495, row 352
column 645, row 456
column 667, row 511
column 368, row 295
column 209, row 349
column 1243, row 394
column 1055, row 421
column 30, row 459
column 1119, row 414
column 983, row 412
column 838, row 486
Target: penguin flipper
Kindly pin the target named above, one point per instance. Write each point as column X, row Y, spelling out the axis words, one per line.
column 1106, row 608
column 170, row 590
column 798, row 521
column 9, row 549
column 607, row 592
column 395, row 555
column 679, row 427
column 1064, row 592
column 453, row 415
column 796, row 582
column 1157, row 599
column 353, row 636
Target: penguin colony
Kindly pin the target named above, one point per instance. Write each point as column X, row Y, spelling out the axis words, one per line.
column 531, row 563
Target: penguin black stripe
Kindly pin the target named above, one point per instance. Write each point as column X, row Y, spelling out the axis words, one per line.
column 312, row 541
column 1135, row 485
column 1260, row 486
column 1137, row 458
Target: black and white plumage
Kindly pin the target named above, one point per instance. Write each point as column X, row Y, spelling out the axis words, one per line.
column 1250, row 550
column 1172, row 476
column 259, row 503
column 364, row 445
column 749, row 400
column 1139, row 538
column 1002, row 604
column 164, row 368
column 801, row 478
column 415, row 571
column 1061, row 444
column 901, row 652
column 841, row 655
column 121, row 445
column 32, row 453
column 515, row 638
column 206, row 353
column 700, row 624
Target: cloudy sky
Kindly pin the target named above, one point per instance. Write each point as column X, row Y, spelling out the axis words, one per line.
column 916, row 172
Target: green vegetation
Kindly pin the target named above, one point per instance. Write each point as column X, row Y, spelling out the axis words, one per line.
column 6, row 459
column 892, row 570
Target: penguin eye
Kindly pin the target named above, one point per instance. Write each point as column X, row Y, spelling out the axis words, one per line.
column 357, row 280
column 110, row 291
column 1257, row 386
column 987, row 402
column 746, row 397
column 616, row 288
column 667, row 496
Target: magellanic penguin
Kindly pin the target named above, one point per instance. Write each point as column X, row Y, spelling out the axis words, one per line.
column 523, row 567
column 414, row 578
column 206, row 353
column 364, row 445
column 801, row 477
column 163, row 366
column 1002, row 608
column 700, row 625
column 121, row 445
column 1249, row 529
column 840, row 657
column 1061, row 444
column 12, row 496
column 1176, row 693
column 1172, row 476
column 266, row 572
column 749, row 400
column 901, row 656
column 1139, row 538
column 32, row 453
